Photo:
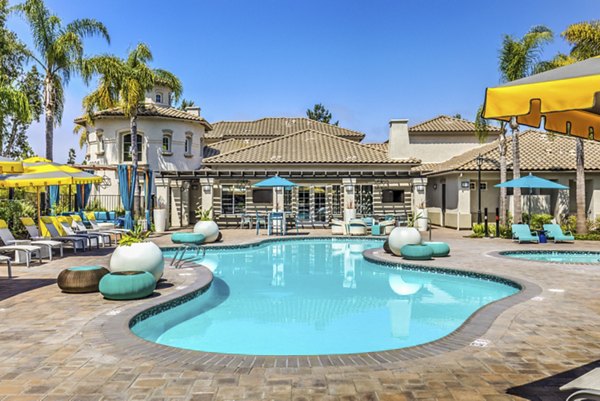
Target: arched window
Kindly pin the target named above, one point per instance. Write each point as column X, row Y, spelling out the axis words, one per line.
column 159, row 97
column 126, row 149
column 166, row 142
column 100, row 137
column 188, row 144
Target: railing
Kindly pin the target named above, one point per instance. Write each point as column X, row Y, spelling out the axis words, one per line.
column 112, row 202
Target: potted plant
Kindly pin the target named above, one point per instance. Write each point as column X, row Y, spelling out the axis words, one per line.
column 401, row 236
column 160, row 216
column 206, row 225
column 134, row 253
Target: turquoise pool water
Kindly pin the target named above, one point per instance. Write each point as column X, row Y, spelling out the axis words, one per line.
column 317, row 296
column 556, row 256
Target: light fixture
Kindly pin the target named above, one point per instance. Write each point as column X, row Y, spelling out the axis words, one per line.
column 465, row 184
column 420, row 188
column 434, row 187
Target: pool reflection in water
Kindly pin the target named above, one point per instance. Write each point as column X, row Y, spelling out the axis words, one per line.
column 317, row 297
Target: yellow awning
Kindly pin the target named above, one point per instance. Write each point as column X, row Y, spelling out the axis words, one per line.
column 562, row 100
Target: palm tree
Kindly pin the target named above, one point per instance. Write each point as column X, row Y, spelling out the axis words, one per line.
column 482, row 126
column 59, row 53
column 13, row 102
column 123, row 83
column 518, row 59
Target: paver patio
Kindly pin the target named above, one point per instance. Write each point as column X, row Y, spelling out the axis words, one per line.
column 55, row 346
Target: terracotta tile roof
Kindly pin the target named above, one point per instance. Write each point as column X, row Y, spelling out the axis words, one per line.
column 539, row 152
column 379, row 146
column 273, row 127
column 228, row 145
column 307, row 147
column 447, row 124
column 152, row 110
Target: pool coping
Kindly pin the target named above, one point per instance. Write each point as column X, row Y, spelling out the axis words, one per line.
column 117, row 329
column 502, row 255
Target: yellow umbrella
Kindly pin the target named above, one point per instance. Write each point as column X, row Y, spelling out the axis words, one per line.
column 565, row 100
column 40, row 172
column 9, row 166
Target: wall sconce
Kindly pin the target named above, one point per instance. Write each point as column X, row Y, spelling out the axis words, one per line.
column 206, row 188
column 420, row 188
column 349, row 187
column 434, row 187
column 465, row 185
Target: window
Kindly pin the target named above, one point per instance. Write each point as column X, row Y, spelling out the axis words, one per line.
column 392, row 196
column 100, row 136
column 262, row 196
column 304, row 203
column 166, row 142
column 188, row 145
column 158, row 97
column 233, row 199
column 336, row 199
column 126, row 150
column 287, row 199
column 320, row 204
column 363, row 199
column 482, row 185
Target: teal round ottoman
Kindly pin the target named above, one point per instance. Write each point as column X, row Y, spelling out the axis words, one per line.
column 440, row 249
column 188, row 238
column 81, row 279
column 416, row 252
column 127, row 285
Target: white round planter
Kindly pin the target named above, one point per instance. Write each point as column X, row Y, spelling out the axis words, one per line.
column 401, row 236
column 210, row 229
column 160, row 220
column 421, row 223
column 143, row 256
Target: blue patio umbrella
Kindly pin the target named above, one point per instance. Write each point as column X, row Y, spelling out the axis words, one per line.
column 531, row 181
column 275, row 182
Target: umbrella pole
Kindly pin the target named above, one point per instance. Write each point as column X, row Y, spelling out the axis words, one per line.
column 39, row 215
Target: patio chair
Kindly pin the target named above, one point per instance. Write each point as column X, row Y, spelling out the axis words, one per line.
column 9, row 239
column 522, row 233
column 26, row 252
column 108, row 227
column 387, row 226
column 585, row 395
column 554, row 232
column 65, row 223
column 357, row 227
column 338, row 227
column 46, row 221
column 8, row 261
column 80, row 228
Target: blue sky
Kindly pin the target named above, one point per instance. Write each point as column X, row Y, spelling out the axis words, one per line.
column 367, row 62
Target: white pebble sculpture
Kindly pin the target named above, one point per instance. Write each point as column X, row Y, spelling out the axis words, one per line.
column 401, row 236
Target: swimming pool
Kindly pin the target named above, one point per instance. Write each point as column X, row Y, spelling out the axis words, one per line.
column 316, row 296
column 585, row 257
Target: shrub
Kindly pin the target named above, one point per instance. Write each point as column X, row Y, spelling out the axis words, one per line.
column 479, row 231
column 12, row 210
column 95, row 205
column 588, row 237
column 538, row 220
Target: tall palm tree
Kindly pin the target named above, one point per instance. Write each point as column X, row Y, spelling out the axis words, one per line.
column 59, row 53
column 518, row 59
column 123, row 83
column 482, row 131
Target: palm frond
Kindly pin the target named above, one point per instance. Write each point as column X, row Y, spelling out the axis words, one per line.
column 585, row 39
column 86, row 27
column 168, row 79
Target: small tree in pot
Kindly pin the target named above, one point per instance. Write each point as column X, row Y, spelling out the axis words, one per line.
column 134, row 253
column 206, row 225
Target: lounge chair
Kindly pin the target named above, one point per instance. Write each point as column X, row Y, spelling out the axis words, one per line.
column 65, row 224
column 80, row 228
column 26, row 252
column 357, row 227
column 46, row 221
column 8, row 261
column 554, row 232
column 9, row 239
column 522, row 233
column 585, row 395
column 387, row 226
column 338, row 227
column 101, row 226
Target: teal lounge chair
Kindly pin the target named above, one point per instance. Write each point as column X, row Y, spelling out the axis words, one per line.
column 522, row 233
column 554, row 232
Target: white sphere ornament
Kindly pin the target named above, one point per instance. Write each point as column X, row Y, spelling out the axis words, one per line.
column 141, row 256
column 209, row 229
column 401, row 236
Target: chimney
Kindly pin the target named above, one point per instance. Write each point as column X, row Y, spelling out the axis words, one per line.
column 193, row 110
column 398, row 145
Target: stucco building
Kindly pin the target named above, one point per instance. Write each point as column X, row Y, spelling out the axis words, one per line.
column 426, row 165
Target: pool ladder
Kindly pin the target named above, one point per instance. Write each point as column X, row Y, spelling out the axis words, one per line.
column 178, row 263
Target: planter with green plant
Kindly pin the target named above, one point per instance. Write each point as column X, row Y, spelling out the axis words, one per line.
column 401, row 236
column 206, row 225
column 134, row 253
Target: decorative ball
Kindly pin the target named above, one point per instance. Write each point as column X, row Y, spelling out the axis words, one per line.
column 210, row 229
column 81, row 279
column 141, row 256
column 219, row 237
column 416, row 252
column 401, row 236
column 440, row 249
column 386, row 246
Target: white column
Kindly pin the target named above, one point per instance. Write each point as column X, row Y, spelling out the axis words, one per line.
column 349, row 205
column 419, row 205
column 463, row 207
column 207, row 191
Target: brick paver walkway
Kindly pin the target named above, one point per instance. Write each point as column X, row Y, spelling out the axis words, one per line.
column 54, row 346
